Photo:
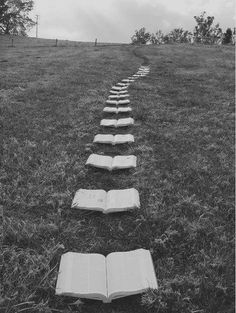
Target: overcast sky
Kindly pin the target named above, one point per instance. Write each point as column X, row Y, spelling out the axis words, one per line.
column 116, row 20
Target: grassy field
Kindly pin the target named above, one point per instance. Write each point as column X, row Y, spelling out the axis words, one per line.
column 51, row 102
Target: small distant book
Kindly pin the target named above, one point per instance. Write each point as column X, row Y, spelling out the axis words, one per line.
column 118, row 88
column 113, row 140
column 117, row 97
column 122, row 122
column 118, row 92
column 117, row 110
column 123, row 84
column 119, row 162
column 127, row 80
column 106, row 202
column 94, row 276
column 117, row 102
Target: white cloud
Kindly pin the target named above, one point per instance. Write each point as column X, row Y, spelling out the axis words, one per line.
column 116, row 20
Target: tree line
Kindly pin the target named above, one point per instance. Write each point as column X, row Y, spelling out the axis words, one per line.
column 204, row 32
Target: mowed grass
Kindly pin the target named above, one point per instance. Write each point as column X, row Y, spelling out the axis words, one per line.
column 51, row 102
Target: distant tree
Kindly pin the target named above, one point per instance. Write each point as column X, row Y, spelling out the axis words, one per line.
column 14, row 17
column 202, row 32
column 141, row 36
column 228, row 35
column 157, row 38
column 179, row 35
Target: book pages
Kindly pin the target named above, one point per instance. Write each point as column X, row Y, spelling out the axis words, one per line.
column 122, row 200
column 90, row 200
column 130, row 273
column 100, row 161
column 127, row 138
column 118, row 96
column 117, row 110
column 114, row 102
column 126, row 101
column 82, row 275
column 123, row 162
column 107, row 139
column 122, row 122
column 114, row 140
column 108, row 123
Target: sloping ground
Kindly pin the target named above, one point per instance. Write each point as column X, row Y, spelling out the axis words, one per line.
column 19, row 42
column 51, row 103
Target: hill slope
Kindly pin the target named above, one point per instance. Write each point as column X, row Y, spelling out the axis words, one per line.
column 51, row 106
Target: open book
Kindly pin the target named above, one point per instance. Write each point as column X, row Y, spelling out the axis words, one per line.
column 118, row 92
column 122, row 122
column 118, row 88
column 106, row 202
column 117, row 110
column 109, row 163
column 94, row 276
column 117, row 102
column 112, row 97
column 114, row 140
column 123, row 84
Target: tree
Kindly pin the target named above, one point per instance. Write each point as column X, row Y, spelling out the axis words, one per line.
column 157, row 38
column 14, row 17
column 202, row 31
column 179, row 35
column 228, row 36
column 141, row 36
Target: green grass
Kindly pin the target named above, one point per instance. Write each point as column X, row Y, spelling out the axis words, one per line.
column 51, row 102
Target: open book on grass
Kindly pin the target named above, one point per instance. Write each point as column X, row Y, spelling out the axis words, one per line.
column 94, row 276
column 118, row 88
column 106, row 202
column 117, row 110
column 113, row 140
column 117, row 102
column 118, row 92
column 118, row 97
column 122, row 122
column 108, row 163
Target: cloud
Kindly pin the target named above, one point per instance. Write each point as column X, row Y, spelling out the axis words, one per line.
column 116, row 20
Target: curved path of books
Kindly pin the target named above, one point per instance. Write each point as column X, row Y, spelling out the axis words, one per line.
column 120, row 274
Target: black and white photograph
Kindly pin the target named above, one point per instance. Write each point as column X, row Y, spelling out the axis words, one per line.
column 117, row 156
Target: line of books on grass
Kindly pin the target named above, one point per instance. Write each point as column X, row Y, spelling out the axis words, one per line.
column 120, row 274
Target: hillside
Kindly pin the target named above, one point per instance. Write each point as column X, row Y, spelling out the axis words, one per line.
column 51, row 102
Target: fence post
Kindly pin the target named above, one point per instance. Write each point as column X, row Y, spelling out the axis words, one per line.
column 56, row 42
column 12, row 42
column 95, row 42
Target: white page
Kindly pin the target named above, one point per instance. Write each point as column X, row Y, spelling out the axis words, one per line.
column 124, row 110
column 108, row 122
column 125, row 122
column 122, row 200
column 82, row 275
column 112, row 102
column 124, row 161
column 130, row 273
column 100, row 161
column 110, row 110
column 126, row 101
column 104, row 138
column 123, row 138
column 90, row 199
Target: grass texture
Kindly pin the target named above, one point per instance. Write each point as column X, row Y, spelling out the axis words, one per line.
column 51, row 102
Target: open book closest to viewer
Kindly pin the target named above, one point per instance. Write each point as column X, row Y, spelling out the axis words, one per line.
column 94, row 276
